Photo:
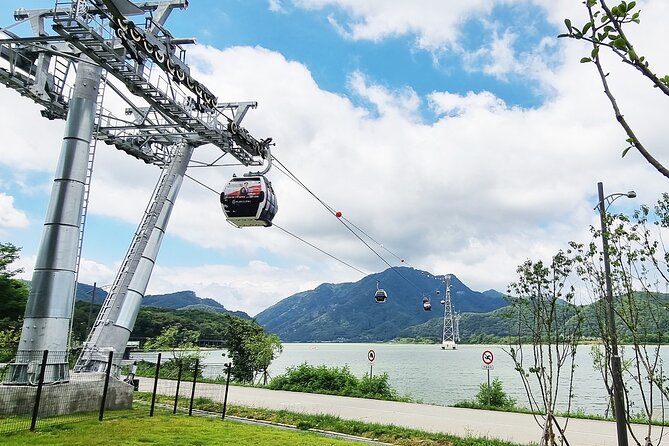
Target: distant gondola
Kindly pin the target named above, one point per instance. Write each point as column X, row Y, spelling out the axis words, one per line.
column 380, row 296
column 249, row 201
column 427, row 305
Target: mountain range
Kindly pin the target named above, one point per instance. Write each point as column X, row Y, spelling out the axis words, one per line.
column 348, row 312
column 181, row 300
column 345, row 312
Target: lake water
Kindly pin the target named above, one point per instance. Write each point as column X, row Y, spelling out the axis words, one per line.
column 429, row 374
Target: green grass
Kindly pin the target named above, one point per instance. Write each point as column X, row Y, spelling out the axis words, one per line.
column 385, row 433
column 164, row 429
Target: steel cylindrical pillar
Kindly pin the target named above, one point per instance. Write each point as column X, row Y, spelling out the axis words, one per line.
column 49, row 308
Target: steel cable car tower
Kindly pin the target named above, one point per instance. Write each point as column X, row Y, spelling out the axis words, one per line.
column 169, row 114
column 448, row 333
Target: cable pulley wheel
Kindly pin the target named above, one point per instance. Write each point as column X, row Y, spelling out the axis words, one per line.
column 170, row 66
column 159, row 56
column 122, row 23
column 147, row 47
column 180, row 74
column 135, row 35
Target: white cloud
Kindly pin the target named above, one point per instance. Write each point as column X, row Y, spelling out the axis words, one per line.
column 476, row 192
column 10, row 217
column 276, row 6
column 433, row 22
column 403, row 102
column 438, row 27
column 251, row 287
column 454, row 104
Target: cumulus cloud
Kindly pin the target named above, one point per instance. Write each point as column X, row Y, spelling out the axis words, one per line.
column 433, row 22
column 10, row 217
column 276, row 6
column 475, row 191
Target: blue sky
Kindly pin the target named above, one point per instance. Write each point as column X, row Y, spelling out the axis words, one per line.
column 462, row 135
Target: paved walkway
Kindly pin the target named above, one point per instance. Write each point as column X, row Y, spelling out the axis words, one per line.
column 517, row 428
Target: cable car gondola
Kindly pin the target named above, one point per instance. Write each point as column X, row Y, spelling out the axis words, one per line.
column 249, row 201
column 427, row 305
column 380, row 296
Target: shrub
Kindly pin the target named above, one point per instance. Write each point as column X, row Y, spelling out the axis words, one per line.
column 494, row 396
column 334, row 381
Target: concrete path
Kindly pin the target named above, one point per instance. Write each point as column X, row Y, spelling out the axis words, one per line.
column 517, row 428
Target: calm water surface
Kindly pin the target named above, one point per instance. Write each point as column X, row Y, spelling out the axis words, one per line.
column 435, row 376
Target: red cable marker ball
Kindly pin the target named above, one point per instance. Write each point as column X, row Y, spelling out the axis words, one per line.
column 338, row 214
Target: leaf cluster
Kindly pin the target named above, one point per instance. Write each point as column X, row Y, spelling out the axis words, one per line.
column 606, row 29
column 13, row 298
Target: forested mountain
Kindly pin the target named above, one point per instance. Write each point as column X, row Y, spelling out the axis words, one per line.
column 176, row 301
column 348, row 311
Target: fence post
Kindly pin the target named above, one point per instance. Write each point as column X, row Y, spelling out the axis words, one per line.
column 227, row 385
column 155, row 386
column 38, row 394
column 104, row 389
column 192, row 394
column 176, row 396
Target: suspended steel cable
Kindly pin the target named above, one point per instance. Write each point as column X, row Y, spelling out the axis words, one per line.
column 347, row 224
column 288, row 232
column 201, row 184
column 344, row 221
column 380, row 244
column 297, row 180
column 319, row 249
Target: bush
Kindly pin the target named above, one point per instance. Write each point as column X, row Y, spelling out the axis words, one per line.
column 494, row 396
column 334, row 381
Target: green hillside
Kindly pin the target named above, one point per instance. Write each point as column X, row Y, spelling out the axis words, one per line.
column 347, row 312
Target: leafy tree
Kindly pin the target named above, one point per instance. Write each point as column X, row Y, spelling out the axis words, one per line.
column 9, row 341
column 250, row 348
column 543, row 307
column 639, row 269
column 181, row 342
column 606, row 28
column 13, row 292
column 262, row 350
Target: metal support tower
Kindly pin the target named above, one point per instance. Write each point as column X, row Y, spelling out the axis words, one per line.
column 144, row 64
column 117, row 316
column 448, row 334
column 457, row 318
column 50, row 303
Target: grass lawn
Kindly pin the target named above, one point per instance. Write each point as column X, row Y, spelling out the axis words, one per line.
column 165, row 429
column 135, row 427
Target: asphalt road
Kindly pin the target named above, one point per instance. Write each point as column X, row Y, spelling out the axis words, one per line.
column 517, row 428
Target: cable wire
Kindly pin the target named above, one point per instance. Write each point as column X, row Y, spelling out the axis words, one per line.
column 319, row 249
column 347, row 224
column 289, row 233
column 380, row 244
column 202, row 184
column 344, row 221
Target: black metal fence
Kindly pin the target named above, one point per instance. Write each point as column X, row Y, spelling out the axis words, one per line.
column 173, row 386
column 176, row 385
column 40, row 392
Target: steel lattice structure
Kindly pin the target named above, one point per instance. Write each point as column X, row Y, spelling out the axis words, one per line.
column 448, row 338
column 77, row 51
